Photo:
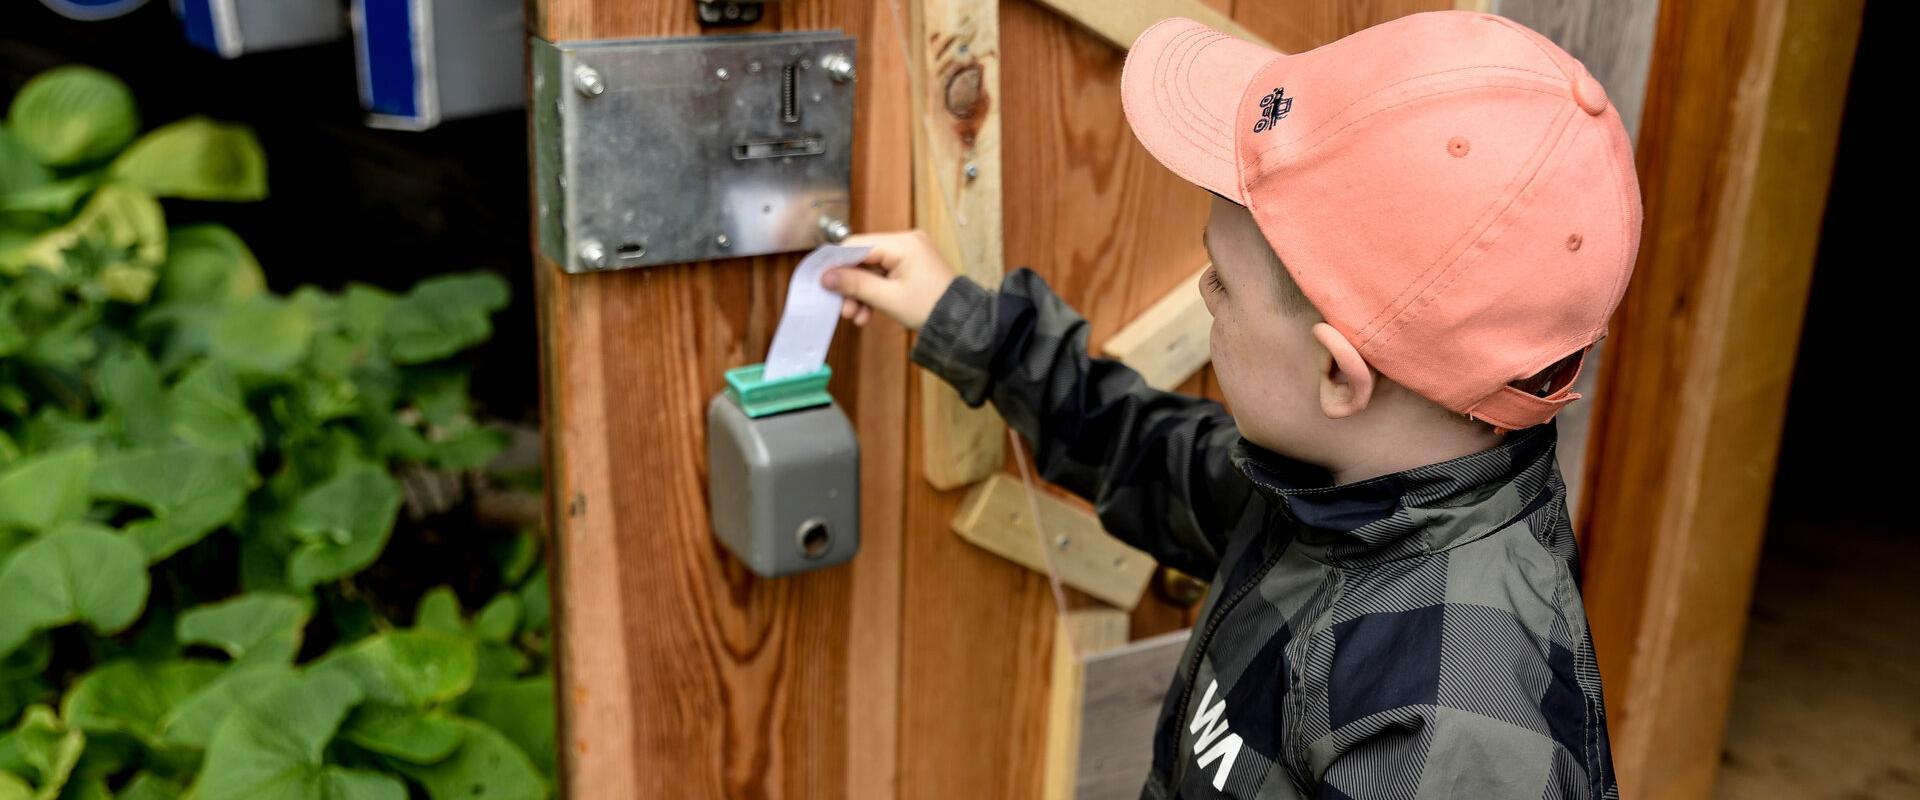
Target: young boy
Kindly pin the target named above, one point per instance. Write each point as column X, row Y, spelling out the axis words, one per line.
column 1418, row 231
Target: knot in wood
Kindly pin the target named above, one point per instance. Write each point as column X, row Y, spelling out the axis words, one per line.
column 963, row 90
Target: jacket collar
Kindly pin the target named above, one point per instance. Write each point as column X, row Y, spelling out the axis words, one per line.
column 1424, row 509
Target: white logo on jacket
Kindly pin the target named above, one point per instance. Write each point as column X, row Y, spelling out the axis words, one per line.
column 1225, row 748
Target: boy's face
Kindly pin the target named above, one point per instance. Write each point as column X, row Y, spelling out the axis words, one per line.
column 1269, row 364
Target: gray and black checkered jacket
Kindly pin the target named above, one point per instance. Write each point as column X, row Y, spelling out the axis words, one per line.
column 1417, row 635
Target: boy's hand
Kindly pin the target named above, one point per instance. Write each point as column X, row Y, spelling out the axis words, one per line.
column 903, row 277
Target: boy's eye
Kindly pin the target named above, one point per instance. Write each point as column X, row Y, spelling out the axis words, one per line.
column 1213, row 280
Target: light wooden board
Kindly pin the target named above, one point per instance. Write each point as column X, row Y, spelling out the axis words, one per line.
column 1079, row 634
column 999, row 516
column 1736, row 150
column 1169, row 343
column 681, row 674
column 1119, row 23
column 1120, row 697
column 956, row 166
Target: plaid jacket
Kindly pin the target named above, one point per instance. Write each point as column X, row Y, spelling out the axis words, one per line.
column 1417, row 635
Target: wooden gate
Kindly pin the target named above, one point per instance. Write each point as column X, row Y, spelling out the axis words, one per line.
column 922, row 669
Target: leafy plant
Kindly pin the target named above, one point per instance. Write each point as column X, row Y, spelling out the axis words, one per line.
column 195, row 473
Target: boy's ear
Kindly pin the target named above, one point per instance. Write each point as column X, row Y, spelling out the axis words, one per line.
column 1346, row 385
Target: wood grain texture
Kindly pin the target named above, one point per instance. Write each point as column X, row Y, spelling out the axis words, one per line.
column 680, row 673
column 1121, row 690
column 1168, row 343
column 1078, row 634
column 957, row 201
column 1736, row 150
column 998, row 516
column 1121, row 23
column 1295, row 25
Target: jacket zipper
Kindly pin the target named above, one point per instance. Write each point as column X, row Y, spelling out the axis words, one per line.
column 1206, row 638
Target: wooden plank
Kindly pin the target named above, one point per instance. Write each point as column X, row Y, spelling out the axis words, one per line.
column 998, row 516
column 1293, row 26
column 1121, row 693
column 1079, row 633
column 681, row 674
column 1736, row 149
column 1121, row 23
column 1168, row 343
column 956, row 167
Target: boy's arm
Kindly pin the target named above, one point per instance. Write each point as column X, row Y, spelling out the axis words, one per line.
column 1154, row 463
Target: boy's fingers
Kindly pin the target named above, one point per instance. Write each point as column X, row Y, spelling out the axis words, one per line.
column 859, row 284
column 848, row 305
column 863, row 315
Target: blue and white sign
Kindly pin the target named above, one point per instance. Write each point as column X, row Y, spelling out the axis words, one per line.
column 425, row 61
column 92, row 10
column 232, row 28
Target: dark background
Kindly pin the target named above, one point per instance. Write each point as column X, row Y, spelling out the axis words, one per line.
column 347, row 202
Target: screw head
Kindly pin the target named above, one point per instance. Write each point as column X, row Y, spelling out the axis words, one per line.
column 722, row 73
column 973, row 171
column 722, row 241
column 587, row 81
column 838, row 66
column 592, row 254
column 835, row 230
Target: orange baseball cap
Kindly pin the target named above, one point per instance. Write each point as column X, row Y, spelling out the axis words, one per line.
column 1450, row 189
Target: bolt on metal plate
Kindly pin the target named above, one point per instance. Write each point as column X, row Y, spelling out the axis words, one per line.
column 664, row 151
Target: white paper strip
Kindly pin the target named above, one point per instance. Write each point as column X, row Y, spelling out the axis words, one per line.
column 806, row 326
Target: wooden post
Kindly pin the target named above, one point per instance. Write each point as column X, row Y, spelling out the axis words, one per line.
column 680, row 674
column 1736, row 149
column 956, row 167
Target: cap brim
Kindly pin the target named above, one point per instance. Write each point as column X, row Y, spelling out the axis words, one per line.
column 1181, row 88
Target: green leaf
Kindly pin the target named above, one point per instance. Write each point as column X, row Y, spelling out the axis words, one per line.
column 499, row 620
column 198, row 159
column 148, row 786
column 536, row 599
column 443, row 316
column 73, row 115
column 132, row 697
column 262, row 334
column 252, row 628
column 524, row 712
column 520, row 555
column 19, row 170
column 272, row 748
column 439, row 611
column 129, row 388
column 42, row 491
column 191, row 490
column 407, row 668
column 208, row 264
column 43, row 749
column 343, row 525
column 78, row 573
column 55, row 199
column 193, row 721
column 121, row 231
column 408, row 734
column 469, row 447
column 13, row 788
column 208, row 408
column 169, row 476
column 487, row 765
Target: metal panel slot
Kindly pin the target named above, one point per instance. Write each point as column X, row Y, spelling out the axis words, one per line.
column 809, row 146
column 789, row 110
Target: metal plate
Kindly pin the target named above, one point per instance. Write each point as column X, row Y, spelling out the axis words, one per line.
column 663, row 151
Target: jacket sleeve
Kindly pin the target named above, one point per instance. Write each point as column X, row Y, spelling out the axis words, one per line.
column 1155, row 464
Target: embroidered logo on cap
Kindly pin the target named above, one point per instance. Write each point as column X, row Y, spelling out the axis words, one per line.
column 1273, row 108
